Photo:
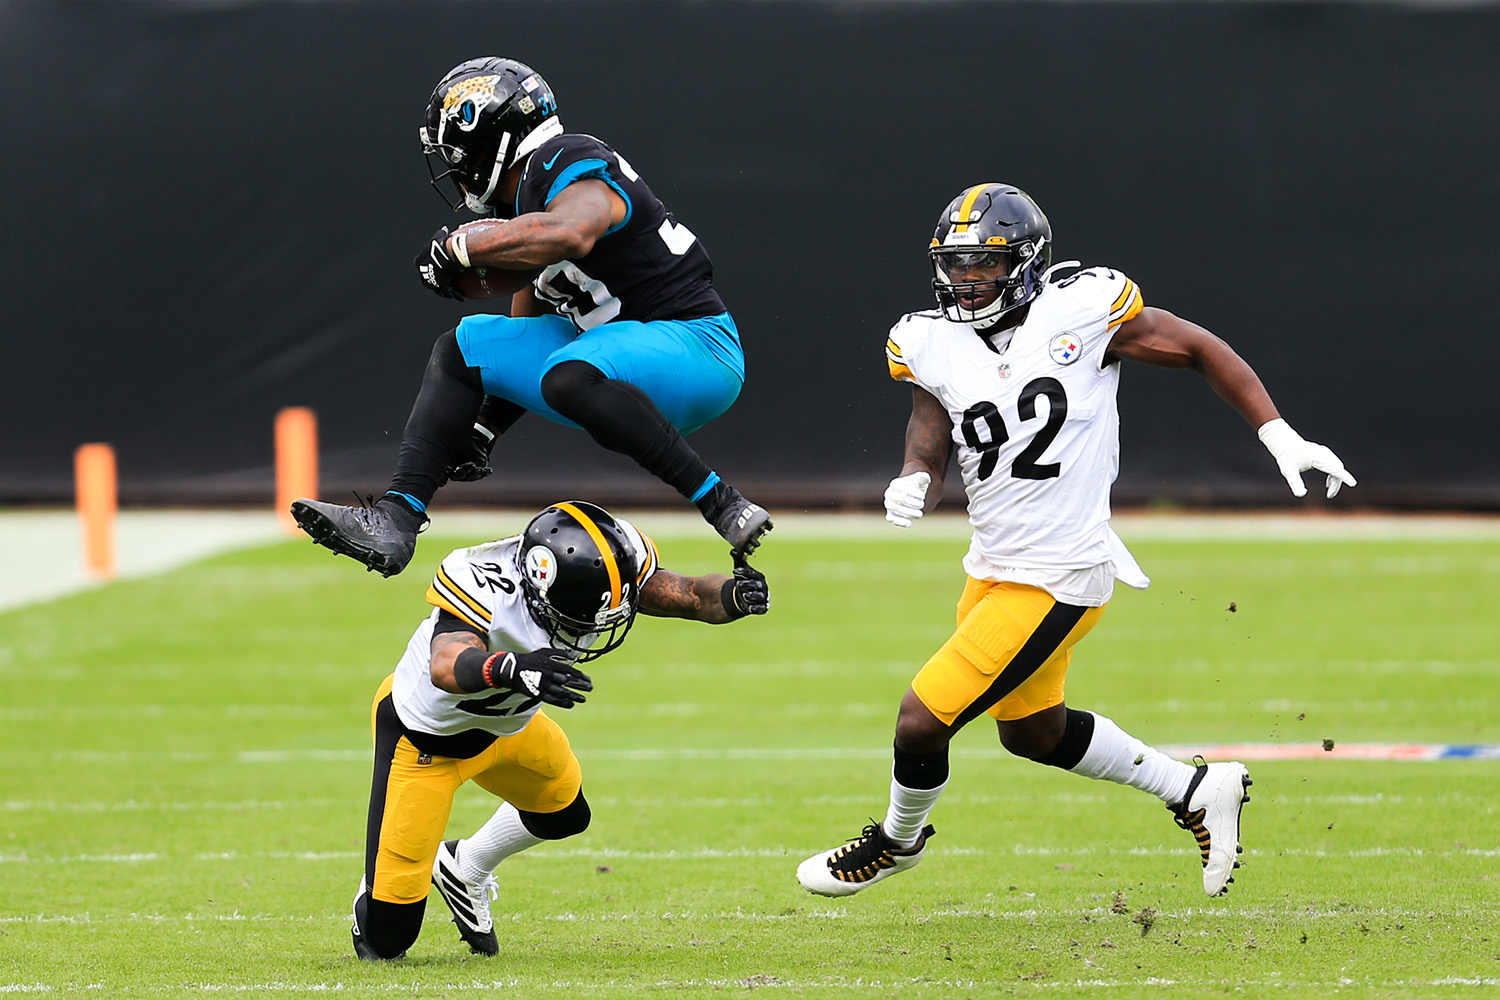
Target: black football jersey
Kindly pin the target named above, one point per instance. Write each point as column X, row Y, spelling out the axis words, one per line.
column 647, row 267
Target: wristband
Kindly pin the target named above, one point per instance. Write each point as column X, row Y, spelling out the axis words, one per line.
column 726, row 598
column 471, row 669
column 460, row 243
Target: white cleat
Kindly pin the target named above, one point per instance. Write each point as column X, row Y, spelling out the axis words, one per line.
column 862, row 862
column 470, row 902
column 1211, row 812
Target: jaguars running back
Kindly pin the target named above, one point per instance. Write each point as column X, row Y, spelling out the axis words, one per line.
column 622, row 333
column 1017, row 372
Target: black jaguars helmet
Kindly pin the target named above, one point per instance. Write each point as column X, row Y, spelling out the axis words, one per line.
column 580, row 577
column 996, row 228
column 484, row 116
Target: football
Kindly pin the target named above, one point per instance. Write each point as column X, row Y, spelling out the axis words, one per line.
column 492, row 282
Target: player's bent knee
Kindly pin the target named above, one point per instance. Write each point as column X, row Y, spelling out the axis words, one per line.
column 918, row 731
column 569, row 821
column 566, row 385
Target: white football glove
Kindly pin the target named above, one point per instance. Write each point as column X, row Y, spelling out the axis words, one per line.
column 1295, row 456
column 905, row 498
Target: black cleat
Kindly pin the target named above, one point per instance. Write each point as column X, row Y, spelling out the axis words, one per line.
column 469, row 902
column 740, row 522
column 383, row 536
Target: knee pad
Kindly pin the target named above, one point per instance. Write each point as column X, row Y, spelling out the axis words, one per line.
column 571, row 820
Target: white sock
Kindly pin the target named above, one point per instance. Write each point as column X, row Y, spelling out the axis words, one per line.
column 908, row 811
column 501, row 836
column 1115, row 755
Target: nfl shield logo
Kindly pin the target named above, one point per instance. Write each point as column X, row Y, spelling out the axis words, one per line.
column 1066, row 348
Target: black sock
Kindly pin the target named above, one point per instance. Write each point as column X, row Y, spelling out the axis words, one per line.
column 441, row 420
column 1078, row 733
column 622, row 418
column 920, row 770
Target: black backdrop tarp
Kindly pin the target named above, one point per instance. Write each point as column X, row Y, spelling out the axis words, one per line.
column 210, row 211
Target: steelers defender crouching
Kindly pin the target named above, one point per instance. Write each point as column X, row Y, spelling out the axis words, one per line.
column 511, row 621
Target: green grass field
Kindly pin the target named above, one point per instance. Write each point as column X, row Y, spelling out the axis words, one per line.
column 186, row 771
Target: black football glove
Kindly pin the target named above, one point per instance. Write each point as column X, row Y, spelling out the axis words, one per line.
column 745, row 593
column 547, row 674
column 437, row 267
column 472, row 463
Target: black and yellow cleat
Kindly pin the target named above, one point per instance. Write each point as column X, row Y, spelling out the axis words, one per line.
column 1211, row 813
column 862, row 862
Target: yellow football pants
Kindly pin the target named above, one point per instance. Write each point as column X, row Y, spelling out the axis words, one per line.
column 412, row 792
column 1009, row 656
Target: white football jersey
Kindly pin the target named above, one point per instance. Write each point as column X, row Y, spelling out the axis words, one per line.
column 1037, row 431
column 482, row 586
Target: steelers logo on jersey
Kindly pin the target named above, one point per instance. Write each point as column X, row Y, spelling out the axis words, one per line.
column 1066, row 348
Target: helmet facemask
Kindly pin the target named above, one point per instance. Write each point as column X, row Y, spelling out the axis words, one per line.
column 1013, row 272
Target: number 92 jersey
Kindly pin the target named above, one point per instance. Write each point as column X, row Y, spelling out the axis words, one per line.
column 646, row 267
column 1036, row 430
column 482, row 587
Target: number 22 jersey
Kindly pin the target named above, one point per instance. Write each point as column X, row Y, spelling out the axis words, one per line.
column 482, row 587
column 1036, row 430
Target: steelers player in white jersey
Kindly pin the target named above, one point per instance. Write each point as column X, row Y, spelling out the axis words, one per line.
column 1017, row 372
column 511, row 619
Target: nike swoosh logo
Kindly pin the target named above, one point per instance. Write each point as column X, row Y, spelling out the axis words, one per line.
column 548, row 164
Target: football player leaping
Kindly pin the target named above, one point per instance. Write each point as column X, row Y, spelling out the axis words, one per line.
column 621, row 332
column 1018, row 370
column 511, row 620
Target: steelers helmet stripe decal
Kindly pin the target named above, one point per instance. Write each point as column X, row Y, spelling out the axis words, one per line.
column 968, row 206
column 611, row 566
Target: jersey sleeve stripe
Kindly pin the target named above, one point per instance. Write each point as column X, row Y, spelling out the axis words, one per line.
column 900, row 372
column 1132, row 309
column 648, row 565
column 892, row 349
column 445, row 584
column 455, row 608
column 1124, row 296
column 611, row 566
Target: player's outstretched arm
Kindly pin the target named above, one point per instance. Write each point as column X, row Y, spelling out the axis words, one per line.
column 1157, row 337
column 713, row 598
column 929, row 446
